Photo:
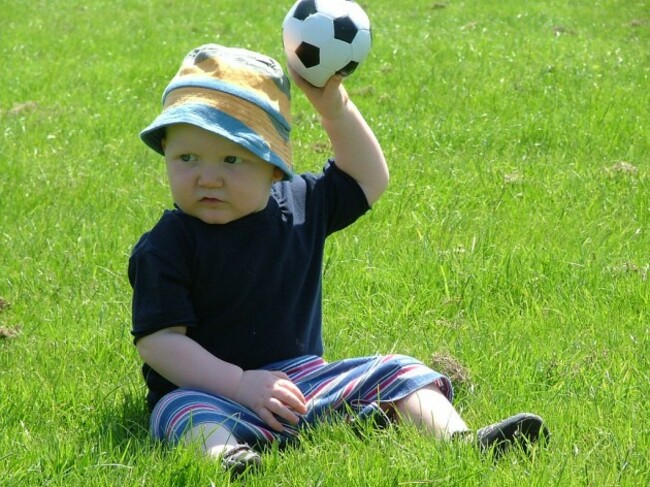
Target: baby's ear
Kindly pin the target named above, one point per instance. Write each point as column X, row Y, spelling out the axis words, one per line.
column 278, row 175
column 163, row 143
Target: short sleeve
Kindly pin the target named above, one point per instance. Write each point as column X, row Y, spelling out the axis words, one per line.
column 159, row 273
column 344, row 199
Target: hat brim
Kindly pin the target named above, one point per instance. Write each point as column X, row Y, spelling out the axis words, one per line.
column 215, row 121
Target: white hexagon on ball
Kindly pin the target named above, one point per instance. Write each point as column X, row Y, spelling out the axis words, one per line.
column 317, row 30
column 325, row 37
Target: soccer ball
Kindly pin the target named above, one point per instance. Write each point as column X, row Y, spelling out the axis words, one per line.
column 325, row 37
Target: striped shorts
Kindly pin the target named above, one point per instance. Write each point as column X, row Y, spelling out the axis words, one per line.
column 352, row 386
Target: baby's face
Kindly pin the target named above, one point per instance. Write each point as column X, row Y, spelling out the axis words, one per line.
column 214, row 179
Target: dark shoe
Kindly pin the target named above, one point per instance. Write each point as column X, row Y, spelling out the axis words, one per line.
column 522, row 430
column 240, row 459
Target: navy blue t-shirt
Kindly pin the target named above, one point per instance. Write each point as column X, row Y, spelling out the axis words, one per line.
column 248, row 291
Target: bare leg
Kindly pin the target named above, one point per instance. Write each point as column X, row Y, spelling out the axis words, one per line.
column 217, row 441
column 429, row 409
column 212, row 438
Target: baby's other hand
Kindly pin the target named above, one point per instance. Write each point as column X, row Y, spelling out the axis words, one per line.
column 270, row 394
column 329, row 101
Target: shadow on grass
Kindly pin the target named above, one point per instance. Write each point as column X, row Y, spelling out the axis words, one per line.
column 122, row 424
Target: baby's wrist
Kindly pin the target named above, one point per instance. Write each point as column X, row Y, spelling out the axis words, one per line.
column 235, row 381
column 347, row 109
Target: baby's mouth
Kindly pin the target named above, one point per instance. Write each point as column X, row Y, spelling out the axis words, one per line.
column 210, row 200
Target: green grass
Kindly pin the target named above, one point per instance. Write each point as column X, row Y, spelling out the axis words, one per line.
column 513, row 237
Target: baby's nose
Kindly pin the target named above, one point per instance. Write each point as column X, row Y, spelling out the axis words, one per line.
column 211, row 176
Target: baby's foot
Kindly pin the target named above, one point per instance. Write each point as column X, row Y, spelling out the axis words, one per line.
column 240, row 459
column 522, row 429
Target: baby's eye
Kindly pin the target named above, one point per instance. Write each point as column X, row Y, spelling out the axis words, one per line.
column 232, row 160
column 188, row 158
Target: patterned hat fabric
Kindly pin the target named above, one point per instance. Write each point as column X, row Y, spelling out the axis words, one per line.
column 238, row 94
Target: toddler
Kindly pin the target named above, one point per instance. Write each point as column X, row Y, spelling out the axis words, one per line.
column 227, row 284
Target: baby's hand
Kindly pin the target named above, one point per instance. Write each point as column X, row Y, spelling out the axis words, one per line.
column 271, row 394
column 330, row 101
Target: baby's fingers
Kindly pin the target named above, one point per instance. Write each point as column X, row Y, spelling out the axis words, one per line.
column 269, row 418
column 290, row 394
column 292, row 398
column 275, row 411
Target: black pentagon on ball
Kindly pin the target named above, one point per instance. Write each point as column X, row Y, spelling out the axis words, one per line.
column 345, row 29
column 348, row 69
column 305, row 9
column 308, row 54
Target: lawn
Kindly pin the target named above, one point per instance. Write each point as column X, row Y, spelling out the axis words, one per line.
column 511, row 249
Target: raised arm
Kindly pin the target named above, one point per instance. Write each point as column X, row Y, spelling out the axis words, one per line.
column 356, row 149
